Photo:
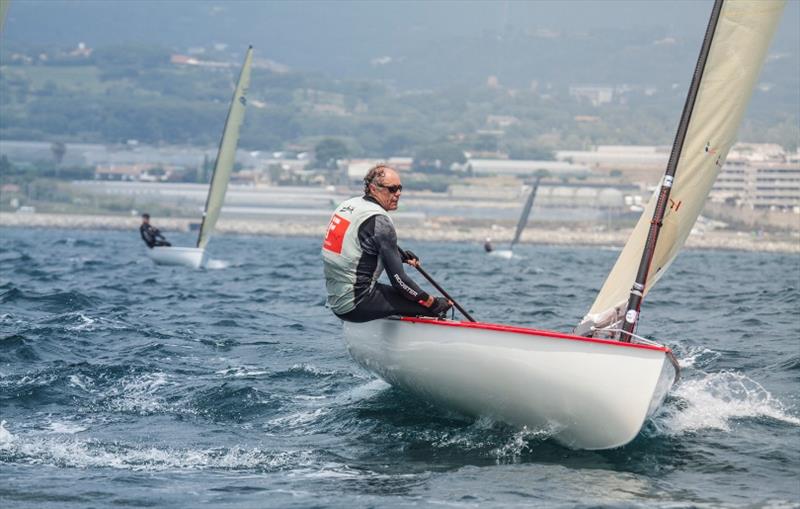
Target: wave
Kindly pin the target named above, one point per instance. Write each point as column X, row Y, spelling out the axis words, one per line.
column 70, row 452
column 17, row 347
column 715, row 401
column 230, row 402
column 57, row 302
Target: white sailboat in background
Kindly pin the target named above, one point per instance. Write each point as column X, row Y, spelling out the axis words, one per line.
column 521, row 224
column 593, row 389
column 196, row 256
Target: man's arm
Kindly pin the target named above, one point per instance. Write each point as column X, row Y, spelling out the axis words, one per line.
column 393, row 264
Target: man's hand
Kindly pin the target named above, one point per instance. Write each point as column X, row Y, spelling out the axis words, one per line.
column 440, row 306
column 409, row 257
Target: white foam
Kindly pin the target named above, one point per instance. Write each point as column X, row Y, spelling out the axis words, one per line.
column 213, row 264
column 66, row 451
column 313, row 370
column 80, row 381
column 363, row 391
column 6, row 438
column 85, row 323
column 298, row 418
column 697, row 354
column 67, row 428
column 138, row 394
column 241, row 371
column 714, row 400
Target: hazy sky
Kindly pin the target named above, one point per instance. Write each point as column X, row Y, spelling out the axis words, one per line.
column 341, row 38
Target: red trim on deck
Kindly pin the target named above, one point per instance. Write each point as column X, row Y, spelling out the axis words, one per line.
column 532, row 332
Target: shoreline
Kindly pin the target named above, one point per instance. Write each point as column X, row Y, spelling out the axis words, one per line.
column 434, row 229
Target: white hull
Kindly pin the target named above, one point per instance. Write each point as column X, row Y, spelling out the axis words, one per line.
column 506, row 254
column 589, row 393
column 193, row 257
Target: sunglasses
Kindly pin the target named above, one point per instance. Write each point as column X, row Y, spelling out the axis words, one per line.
column 392, row 189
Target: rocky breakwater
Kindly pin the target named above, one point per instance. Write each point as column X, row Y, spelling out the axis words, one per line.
column 434, row 229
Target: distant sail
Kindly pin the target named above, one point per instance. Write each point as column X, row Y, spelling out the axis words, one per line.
column 526, row 211
column 738, row 49
column 226, row 154
column 4, row 5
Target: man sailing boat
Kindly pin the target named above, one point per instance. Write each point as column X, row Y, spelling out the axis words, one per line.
column 150, row 234
column 359, row 244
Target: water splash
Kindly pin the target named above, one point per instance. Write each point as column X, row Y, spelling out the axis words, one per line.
column 6, row 438
column 69, row 452
column 213, row 264
column 138, row 394
column 715, row 400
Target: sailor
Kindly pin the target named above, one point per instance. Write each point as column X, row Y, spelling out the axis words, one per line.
column 360, row 243
column 150, row 234
column 487, row 245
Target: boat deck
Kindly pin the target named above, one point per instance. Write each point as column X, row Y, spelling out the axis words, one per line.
column 533, row 332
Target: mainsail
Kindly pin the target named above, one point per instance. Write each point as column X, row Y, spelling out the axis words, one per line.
column 526, row 211
column 736, row 44
column 226, row 154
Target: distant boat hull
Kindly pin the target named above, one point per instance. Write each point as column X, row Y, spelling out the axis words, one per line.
column 502, row 253
column 193, row 257
column 587, row 393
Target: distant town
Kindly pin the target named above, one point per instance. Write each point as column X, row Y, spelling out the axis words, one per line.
column 759, row 186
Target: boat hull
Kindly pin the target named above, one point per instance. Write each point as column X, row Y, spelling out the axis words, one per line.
column 506, row 254
column 587, row 393
column 193, row 257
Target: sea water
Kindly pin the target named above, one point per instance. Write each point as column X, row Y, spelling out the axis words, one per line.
column 126, row 383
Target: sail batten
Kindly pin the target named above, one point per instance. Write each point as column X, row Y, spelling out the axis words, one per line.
column 226, row 154
column 741, row 37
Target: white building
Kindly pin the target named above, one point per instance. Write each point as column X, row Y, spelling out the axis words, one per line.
column 760, row 177
column 525, row 167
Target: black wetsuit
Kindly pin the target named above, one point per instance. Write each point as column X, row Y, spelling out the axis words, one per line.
column 378, row 241
column 152, row 236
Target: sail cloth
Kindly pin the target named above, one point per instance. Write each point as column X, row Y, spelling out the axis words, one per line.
column 226, row 154
column 526, row 211
column 739, row 45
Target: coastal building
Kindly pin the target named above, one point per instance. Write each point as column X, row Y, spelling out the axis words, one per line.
column 594, row 94
column 525, row 167
column 759, row 177
column 618, row 157
column 357, row 168
column 133, row 172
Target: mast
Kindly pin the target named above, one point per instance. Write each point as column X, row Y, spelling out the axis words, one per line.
column 526, row 211
column 226, row 153
column 636, row 295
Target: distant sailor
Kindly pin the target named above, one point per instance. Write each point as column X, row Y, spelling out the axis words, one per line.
column 360, row 243
column 487, row 245
column 150, row 234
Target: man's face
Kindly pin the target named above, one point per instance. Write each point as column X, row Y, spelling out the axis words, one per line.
column 382, row 191
column 146, row 220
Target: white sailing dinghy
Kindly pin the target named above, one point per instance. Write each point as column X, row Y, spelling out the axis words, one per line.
column 521, row 224
column 595, row 388
column 195, row 257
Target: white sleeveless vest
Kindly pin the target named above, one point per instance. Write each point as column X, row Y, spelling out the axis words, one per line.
column 341, row 251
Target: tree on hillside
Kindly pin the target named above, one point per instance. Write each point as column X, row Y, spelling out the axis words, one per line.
column 438, row 158
column 328, row 151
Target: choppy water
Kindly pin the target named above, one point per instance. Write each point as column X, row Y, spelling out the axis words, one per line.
column 123, row 383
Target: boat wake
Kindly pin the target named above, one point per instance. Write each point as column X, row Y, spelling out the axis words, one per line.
column 717, row 401
column 505, row 254
column 213, row 264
